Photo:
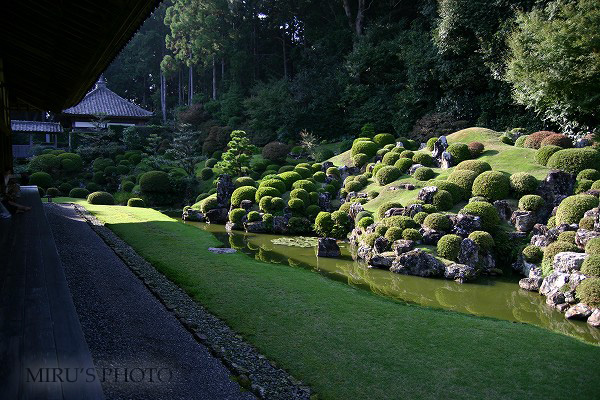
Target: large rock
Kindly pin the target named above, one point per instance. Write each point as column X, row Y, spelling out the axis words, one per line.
column 192, row 215
column 328, row 247
column 555, row 299
column 217, row 216
column 594, row 319
column 464, row 224
column 402, row 246
column 531, row 284
column 412, row 210
column 426, row 194
column 583, row 236
column 446, row 160
column 503, row 208
column 540, row 240
column 439, row 147
column 579, row 311
column 381, row 245
column 460, row 272
column 231, row 226
column 255, row 227
column 355, row 208
column 469, row 253
column 246, row 205
column 326, row 165
column 381, row 261
column 418, row 262
column 413, row 168
column 568, row 261
column 523, row 266
column 225, row 188
column 430, row 236
column 325, row 201
column 553, row 283
column 523, row 220
column 393, row 212
column 363, row 252
column 280, row 224
column 487, row 262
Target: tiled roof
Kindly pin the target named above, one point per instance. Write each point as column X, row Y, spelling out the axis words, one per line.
column 104, row 101
column 34, row 126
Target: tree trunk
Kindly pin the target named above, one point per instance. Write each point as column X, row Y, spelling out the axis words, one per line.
column 163, row 97
column 214, row 78
column 191, row 86
column 285, row 69
column 222, row 72
column 356, row 24
column 179, row 91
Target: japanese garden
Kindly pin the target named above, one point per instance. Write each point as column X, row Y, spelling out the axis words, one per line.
column 346, row 199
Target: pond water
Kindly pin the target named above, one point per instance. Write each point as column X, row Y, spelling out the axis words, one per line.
column 492, row 297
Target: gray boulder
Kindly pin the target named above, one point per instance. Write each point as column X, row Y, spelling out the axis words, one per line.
column 280, row 224
column 225, row 188
column 381, row 245
column 541, row 240
column 192, row 215
column 553, row 283
column 363, row 252
column 439, row 147
column 382, row 261
column 402, row 246
column 412, row 210
column 255, row 227
column 579, row 311
column 523, row 220
column 325, row 201
column 461, row 273
column 418, row 262
column 430, row 236
column 426, row 194
column 393, row 211
column 568, row 261
column 328, row 247
column 583, row 236
column 594, row 318
column 355, row 208
column 446, row 160
column 531, row 284
column 413, row 168
column 217, row 216
column 556, row 298
column 503, row 208
column 469, row 253
column 246, row 205
column 464, row 224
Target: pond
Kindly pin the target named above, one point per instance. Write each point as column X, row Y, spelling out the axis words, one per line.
column 498, row 297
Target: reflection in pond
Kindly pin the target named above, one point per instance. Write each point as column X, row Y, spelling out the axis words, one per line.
column 498, row 297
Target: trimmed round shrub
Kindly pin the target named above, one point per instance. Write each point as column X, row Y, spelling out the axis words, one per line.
column 211, row 162
column 93, row 187
column 523, row 183
column 41, row 179
column 567, row 236
column 285, row 168
column 275, row 151
column 79, row 193
column 596, row 185
column 589, row 174
column 574, row 160
column 289, row 178
column 486, row 211
column 380, row 230
column 387, row 174
column 459, row 152
column 476, row 148
column 593, row 246
column 369, row 240
column 277, row 204
column 304, row 172
column 520, row 142
column 305, row 184
column 429, row 208
column 558, row 247
column 534, row 140
column 155, row 182
column 403, row 164
column 437, row 222
column 464, row 180
column 323, row 155
column 586, row 223
column 296, row 204
column 455, row 191
column 588, row 291
column 419, row 217
column 412, row 234
column 383, row 139
column 407, row 154
column 243, row 193
column 268, row 219
column 372, row 194
column 65, row 188
column 319, row 176
column 492, row 185
column 246, row 181
column 265, row 204
column 323, row 224
column 201, row 197
column 136, row 202
column 237, row 215
column 393, row 233
column 551, row 222
column 127, row 186
column 53, row 192
column 44, row 163
column 333, row 171
column 273, row 183
column 572, row 209
column 365, row 147
column 360, row 160
column 448, row 247
column 254, row 216
column 121, row 169
column 557, row 139
column 533, row 254
column 483, row 239
column 390, row 158
column 423, row 159
column 376, row 168
column 442, row 200
column 423, row 174
column 265, row 191
column 399, row 221
column 386, row 206
column 544, row 153
column 431, row 142
column 300, row 194
column 101, row 198
column 209, row 203
column 364, row 222
column 477, row 166
column 531, row 202
column 591, row 265
column 582, row 185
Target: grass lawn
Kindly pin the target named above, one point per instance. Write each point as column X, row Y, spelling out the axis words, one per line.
column 348, row 343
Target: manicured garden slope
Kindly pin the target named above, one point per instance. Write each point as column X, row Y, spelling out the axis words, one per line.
column 349, row 343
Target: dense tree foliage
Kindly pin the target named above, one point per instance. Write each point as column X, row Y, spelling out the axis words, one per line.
column 274, row 68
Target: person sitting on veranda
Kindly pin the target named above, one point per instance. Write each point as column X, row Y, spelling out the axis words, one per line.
column 10, row 195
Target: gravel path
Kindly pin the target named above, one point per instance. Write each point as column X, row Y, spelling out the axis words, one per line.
column 127, row 328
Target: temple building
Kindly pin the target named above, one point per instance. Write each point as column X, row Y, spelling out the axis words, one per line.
column 26, row 134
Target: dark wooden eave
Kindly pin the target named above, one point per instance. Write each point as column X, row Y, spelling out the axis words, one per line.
column 54, row 50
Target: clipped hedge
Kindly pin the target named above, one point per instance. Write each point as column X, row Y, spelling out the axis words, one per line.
column 589, row 174
column 41, row 179
column 423, row 159
column 531, row 202
column 136, row 202
column 390, row 158
column 523, row 183
column 557, row 139
column 464, row 180
column 53, row 192
column 305, row 184
column 476, row 166
column 289, row 178
column 572, row 209
column 403, row 164
column 492, row 185
column 155, row 182
column 457, row 193
column 423, row 173
column 483, row 239
column 273, row 183
column 442, row 200
column 448, row 247
column 486, row 211
column 360, row 160
column 101, row 198
column 459, row 152
column 591, row 265
column 265, row 191
column 588, row 291
column 544, row 153
column 574, row 160
column 534, row 140
column 365, row 147
column 412, row 234
column 387, row 174
column 245, row 181
column 383, row 139
column 237, row 215
column 243, row 193
column 79, row 193
column 437, row 222
column 399, row 221
column 533, row 254
column 386, row 206
column 323, row 224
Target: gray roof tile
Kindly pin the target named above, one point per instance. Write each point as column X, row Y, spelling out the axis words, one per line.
column 34, row 126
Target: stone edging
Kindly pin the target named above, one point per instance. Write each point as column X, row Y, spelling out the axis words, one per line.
column 253, row 370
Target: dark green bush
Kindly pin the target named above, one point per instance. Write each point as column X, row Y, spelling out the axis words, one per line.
column 423, row 159
column 312, row 211
column 386, row 206
column 127, row 186
column 571, row 209
column 384, row 138
column 369, row 240
column 247, row 181
column 155, row 182
column 476, row 166
column 41, row 179
column 407, row 154
column 265, row 204
column 483, row 239
column 300, row 194
column 448, row 247
column 237, row 215
column 277, row 204
column 486, row 211
column 586, row 223
column 268, row 219
column 304, row 172
column 464, row 180
column 319, row 176
column 254, row 216
column 429, row 208
column 403, row 164
column 531, row 202
column 567, row 236
column 360, row 160
column 365, row 147
column 211, row 162
column 412, row 234
column 273, row 183
column 323, row 155
column 442, row 200
column 285, row 168
column 590, row 174
column 53, row 192
column 437, row 222
column 79, row 193
column 265, row 191
column 209, row 203
column 393, row 234
column 520, row 141
column 364, row 222
column 558, row 247
column 304, row 184
column 380, row 230
column 323, row 224
column 459, row 152
column 588, row 291
column 296, row 204
column 593, row 246
column 582, row 185
column 533, row 254
column 44, row 163
column 423, row 174
column 101, row 198
column 544, row 153
column 492, row 185
column 591, row 265
column 523, row 183
column 65, row 188
column 399, row 221
column 419, row 217
column 455, row 191
column 244, row 193
column 390, row 158
column 387, row 174
column 574, row 160
column 431, row 142
column 136, row 202
column 289, row 178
